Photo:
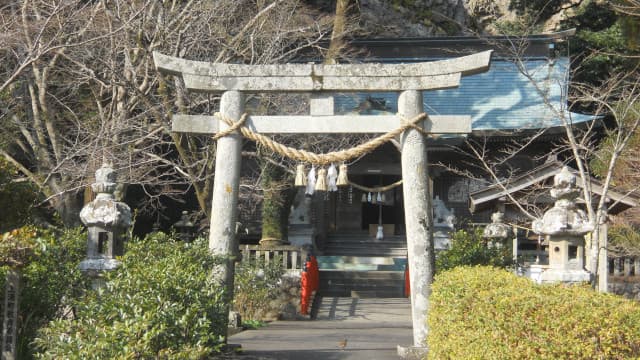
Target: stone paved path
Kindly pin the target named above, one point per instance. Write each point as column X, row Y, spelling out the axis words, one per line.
column 373, row 328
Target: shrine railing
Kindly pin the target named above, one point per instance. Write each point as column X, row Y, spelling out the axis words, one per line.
column 292, row 257
column 529, row 257
column 624, row 267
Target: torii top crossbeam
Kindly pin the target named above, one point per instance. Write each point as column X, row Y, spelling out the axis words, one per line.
column 202, row 76
column 213, row 77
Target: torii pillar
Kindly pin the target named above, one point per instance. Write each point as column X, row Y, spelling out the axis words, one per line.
column 418, row 220
column 224, row 204
column 407, row 79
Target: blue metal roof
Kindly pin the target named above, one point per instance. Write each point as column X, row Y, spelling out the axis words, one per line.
column 503, row 98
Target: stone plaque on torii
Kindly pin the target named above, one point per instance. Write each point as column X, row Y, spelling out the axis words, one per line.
column 233, row 80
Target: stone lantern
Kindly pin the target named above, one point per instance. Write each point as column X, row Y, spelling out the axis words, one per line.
column 497, row 231
column 444, row 221
column 565, row 226
column 186, row 229
column 107, row 221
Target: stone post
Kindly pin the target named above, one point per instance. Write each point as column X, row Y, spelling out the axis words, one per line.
column 418, row 219
column 10, row 315
column 224, row 205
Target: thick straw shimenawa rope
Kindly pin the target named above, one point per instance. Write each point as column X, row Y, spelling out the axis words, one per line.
column 233, row 126
column 313, row 158
column 376, row 189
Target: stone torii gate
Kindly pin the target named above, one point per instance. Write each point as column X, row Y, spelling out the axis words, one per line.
column 233, row 80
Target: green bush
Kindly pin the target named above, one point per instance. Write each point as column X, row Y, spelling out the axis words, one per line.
column 161, row 303
column 256, row 287
column 49, row 277
column 470, row 248
column 488, row 313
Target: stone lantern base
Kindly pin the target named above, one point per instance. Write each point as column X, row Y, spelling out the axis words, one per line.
column 565, row 276
column 543, row 274
column 98, row 265
column 95, row 268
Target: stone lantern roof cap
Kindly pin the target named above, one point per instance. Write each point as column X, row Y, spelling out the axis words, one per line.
column 497, row 229
column 184, row 221
column 564, row 218
column 105, row 210
column 564, row 185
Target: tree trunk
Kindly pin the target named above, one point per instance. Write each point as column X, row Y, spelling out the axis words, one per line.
column 68, row 207
column 275, row 203
column 339, row 25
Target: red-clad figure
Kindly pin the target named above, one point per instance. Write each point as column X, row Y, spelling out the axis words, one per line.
column 309, row 283
column 305, row 290
column 407, row 284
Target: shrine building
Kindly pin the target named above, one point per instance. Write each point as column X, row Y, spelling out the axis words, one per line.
column 359, row 233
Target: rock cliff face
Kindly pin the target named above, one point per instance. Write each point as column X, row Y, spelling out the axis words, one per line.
column 424, row 18
column 420, row 18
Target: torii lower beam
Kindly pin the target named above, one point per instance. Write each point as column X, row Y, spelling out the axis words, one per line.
column 334, row 124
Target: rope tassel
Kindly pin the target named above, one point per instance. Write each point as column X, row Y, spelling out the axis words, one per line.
column 321, row 182
column 343, row 179
column 301, row 180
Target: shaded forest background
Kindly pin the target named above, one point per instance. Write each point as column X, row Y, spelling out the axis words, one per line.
column 78, row 86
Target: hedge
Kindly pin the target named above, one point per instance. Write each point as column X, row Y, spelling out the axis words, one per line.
column 49, row 278
column 489, row 313
column 162, row 303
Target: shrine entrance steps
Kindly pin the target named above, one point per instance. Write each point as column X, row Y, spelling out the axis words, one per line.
column 359, row 266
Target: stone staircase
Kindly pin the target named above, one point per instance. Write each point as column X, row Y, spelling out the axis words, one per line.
column 357, row 265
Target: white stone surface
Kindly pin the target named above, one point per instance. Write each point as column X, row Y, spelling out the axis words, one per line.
column 497, row 229
column 336, row 124
column 321, row 104
column 441, row 239
column 224, row 203
column 204, row 76
column 465, row 65
column 100, row 264
column 564, row 276
column 106, row 212
column 418, row 216
column 565, row 218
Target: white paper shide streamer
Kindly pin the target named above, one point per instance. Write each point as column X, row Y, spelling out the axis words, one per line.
column 332, row 177
column 311, row 181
